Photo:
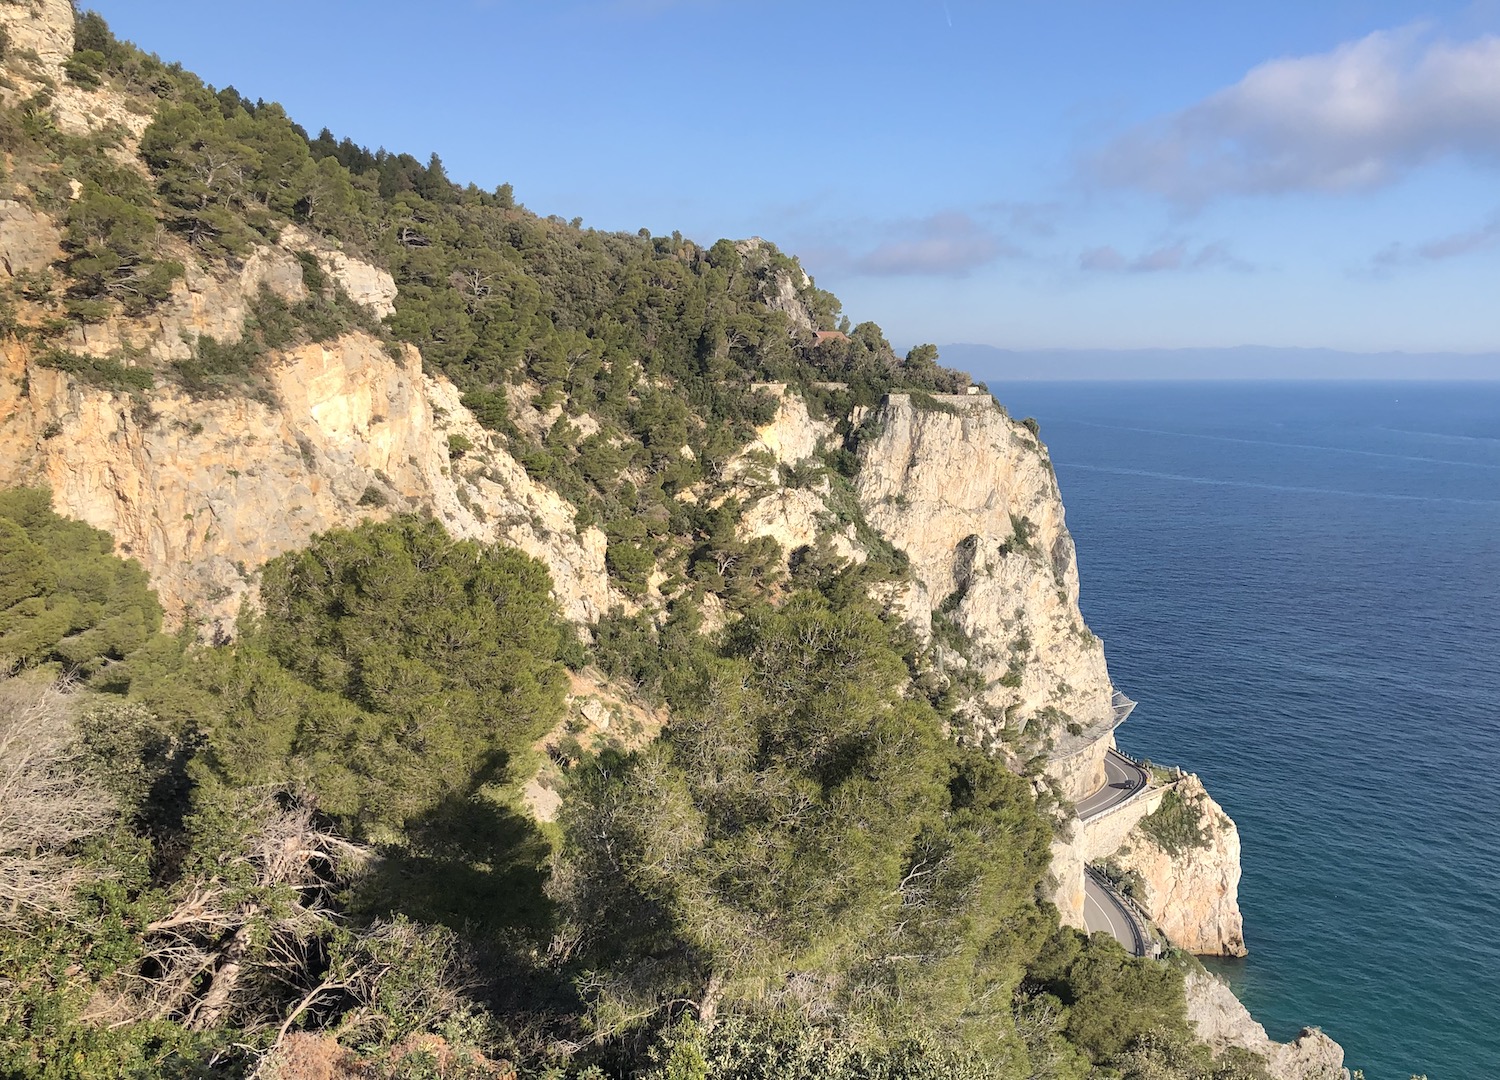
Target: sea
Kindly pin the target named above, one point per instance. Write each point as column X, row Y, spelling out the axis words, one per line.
column 1300, row 584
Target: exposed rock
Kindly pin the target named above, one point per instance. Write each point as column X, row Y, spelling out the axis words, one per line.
column 204, row 492
column 784, row 291
column 951, row 485
column 29, row 241
column 43, row 26
column 1223, row 1022
column 599, row 714
column 202, row 304
column 791, row 438
column 83, row 111
column 366, row 285
column 1192, row 895
column 795, row 518
column 970, row 496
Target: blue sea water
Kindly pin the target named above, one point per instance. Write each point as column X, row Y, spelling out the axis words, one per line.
column 1301, row 585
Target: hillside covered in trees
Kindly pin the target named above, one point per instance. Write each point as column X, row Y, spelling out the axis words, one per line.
column 305, row 848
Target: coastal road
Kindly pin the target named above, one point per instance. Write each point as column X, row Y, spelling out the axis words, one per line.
column 1122, row 779
column 1103, row 911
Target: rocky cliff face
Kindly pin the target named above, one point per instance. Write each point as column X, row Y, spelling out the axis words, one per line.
column 44, row 27
column 204, row 492
column 970, row 496
column 41, row 40
column 1191, row 892
column 1223, row 1022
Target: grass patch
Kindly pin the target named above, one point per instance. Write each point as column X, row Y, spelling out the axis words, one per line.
column 1176, row 825
column 106, row 372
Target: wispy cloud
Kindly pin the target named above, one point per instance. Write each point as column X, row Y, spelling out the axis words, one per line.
column 1358, row 117
column 1179, row 256
column 1467, row 242
column 948, row 244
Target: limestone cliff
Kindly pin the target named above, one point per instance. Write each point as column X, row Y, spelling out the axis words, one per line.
column 795, row 516
column 41, row 42
column 1189, row 888
column 1223, row 1022
column 204, row 492
column 969, row 494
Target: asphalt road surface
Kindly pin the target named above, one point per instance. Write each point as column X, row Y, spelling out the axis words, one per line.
column 1101, row 911
column 1122, row 779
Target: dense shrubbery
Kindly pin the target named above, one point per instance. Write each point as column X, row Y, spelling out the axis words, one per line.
column 66, row 601
column 805, row 838
column 309, row 828
column 316, row 826
column 1176, row 825
column 391, row 668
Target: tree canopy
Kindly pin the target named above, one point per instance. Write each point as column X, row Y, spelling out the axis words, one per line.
column 806, row 836
column 391, row 666
column 65, row 600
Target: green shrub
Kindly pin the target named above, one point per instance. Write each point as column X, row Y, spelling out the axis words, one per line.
column 218, row 369
column 1176, row 825
column 393, row 666
column 106, row 372
column 459, row 444
column 66, row 600
column 85, row 68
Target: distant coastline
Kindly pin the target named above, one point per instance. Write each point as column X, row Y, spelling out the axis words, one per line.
column 989, row 363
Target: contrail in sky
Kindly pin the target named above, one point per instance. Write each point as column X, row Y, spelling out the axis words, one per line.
column 948, row 13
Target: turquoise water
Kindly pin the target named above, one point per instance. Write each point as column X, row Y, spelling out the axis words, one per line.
column 1301, row 585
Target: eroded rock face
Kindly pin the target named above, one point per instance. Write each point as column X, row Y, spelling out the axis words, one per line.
column 43, row 26
column 1192, row 894
column 969, row 495
column 215, row 303
column 366, row 285
column 1223, row 1022
column 29, row 241
column 204, row 492
column 793, row 517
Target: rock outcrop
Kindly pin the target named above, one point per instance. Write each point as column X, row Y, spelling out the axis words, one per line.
column 44, row 27
column 969, row 494
column 204, row 492
column 41, row 41
column 1223, row 1022
column 793, row 516
column 1191, row 892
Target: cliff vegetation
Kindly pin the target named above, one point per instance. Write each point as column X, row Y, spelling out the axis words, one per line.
column 439, row 640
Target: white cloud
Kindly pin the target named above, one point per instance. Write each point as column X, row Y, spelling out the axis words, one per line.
column 949, row 244
column 1481, row 238
column 1168, row 257
column 1354, row 118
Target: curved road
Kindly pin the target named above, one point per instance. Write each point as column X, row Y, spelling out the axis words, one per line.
column 1122, row 779
column 1102, row 910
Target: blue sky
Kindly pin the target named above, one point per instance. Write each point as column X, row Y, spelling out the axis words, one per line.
column 1028, row 175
